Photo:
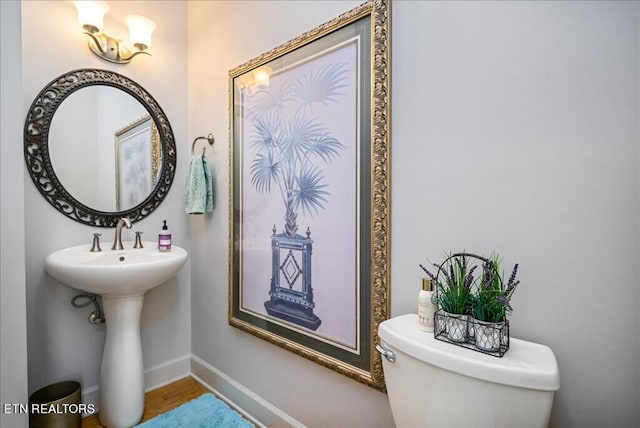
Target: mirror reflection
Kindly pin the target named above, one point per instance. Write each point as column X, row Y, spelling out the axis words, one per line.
column 105, row 148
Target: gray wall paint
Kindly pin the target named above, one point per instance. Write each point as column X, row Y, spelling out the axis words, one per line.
column 524, row 139
column 62, row 344
column 219, row 41
column 515, row 129
column 13, row 357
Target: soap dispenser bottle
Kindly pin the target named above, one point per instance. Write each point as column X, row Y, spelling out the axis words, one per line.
column 426, row 306
column 164, row 238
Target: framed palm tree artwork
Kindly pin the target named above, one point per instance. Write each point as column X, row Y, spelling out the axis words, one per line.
column 309, row 209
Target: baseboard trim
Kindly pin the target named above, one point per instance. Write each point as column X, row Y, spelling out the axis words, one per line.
column 166, row 373
column 250, row 405
column 246, row 402
column 90, row 396
column 154, row 377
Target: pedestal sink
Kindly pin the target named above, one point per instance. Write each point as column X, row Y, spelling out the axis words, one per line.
column 121, row 278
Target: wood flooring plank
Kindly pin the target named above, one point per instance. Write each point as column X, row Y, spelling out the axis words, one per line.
column 161, row 400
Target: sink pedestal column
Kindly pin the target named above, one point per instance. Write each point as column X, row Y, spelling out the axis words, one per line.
column 121, row 402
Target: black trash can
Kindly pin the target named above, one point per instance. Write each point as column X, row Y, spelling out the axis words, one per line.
column 56, row 406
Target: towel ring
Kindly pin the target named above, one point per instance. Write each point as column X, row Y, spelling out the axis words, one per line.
column 209, row 138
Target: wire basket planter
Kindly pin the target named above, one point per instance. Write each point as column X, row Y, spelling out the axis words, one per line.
column 464, row 330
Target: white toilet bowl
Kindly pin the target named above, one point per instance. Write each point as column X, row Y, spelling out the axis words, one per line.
column 436, row 384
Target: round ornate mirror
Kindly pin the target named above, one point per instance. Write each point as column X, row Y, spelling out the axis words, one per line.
column 99, row 147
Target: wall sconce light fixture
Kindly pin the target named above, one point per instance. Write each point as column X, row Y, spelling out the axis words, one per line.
column 90, row 17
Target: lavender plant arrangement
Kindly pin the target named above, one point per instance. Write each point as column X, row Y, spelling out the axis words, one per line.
column 454, row 279
column 473, row 311
column 490, row 304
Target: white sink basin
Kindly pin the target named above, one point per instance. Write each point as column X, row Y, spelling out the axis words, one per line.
column 115, row 273
column 121, row 278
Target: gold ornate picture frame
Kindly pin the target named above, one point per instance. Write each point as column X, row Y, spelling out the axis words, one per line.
column 310, row 193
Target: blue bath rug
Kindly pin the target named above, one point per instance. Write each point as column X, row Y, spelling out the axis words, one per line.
column 205, row 411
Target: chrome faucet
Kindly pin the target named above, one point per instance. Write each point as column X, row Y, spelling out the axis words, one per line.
column 117, row 239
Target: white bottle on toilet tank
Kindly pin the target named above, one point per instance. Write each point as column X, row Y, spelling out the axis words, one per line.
column 426, row 306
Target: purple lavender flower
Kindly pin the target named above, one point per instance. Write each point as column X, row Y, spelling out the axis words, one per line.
column 488, row 274
column 469, row 280
column 505, row 302
column 512, row 283
column 432, row 276
column 462, row 265
column 444, row 272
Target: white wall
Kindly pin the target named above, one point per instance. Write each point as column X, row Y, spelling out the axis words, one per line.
column 522, row 137
column 13, row 358
column 62, row 344
column 223, row 35
column 515, row 129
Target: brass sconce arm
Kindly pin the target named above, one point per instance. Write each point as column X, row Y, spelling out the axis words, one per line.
column 111, row 49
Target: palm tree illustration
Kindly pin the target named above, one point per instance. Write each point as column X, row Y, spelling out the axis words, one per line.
column 291, row 144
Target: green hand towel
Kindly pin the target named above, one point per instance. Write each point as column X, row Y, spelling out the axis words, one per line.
column 199, row 192
column 208, row 176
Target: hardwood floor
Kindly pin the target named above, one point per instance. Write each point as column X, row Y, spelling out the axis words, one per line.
column 161, row 400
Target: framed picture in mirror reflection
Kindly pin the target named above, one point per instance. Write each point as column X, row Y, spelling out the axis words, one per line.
column 137, row 152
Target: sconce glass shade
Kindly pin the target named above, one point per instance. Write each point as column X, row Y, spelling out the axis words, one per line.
column 91, row 14
column 140, row 29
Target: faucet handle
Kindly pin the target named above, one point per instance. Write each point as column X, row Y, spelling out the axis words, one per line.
column 138, row 243
column 95, row 246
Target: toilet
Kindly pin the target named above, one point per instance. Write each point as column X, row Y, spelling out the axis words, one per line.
column 431, row 383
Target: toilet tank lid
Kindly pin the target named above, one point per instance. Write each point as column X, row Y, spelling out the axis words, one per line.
column 525, row 364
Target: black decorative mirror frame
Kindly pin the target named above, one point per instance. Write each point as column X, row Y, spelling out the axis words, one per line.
column 37, row 156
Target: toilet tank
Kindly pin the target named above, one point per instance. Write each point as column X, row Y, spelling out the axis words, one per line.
column 436, row 384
